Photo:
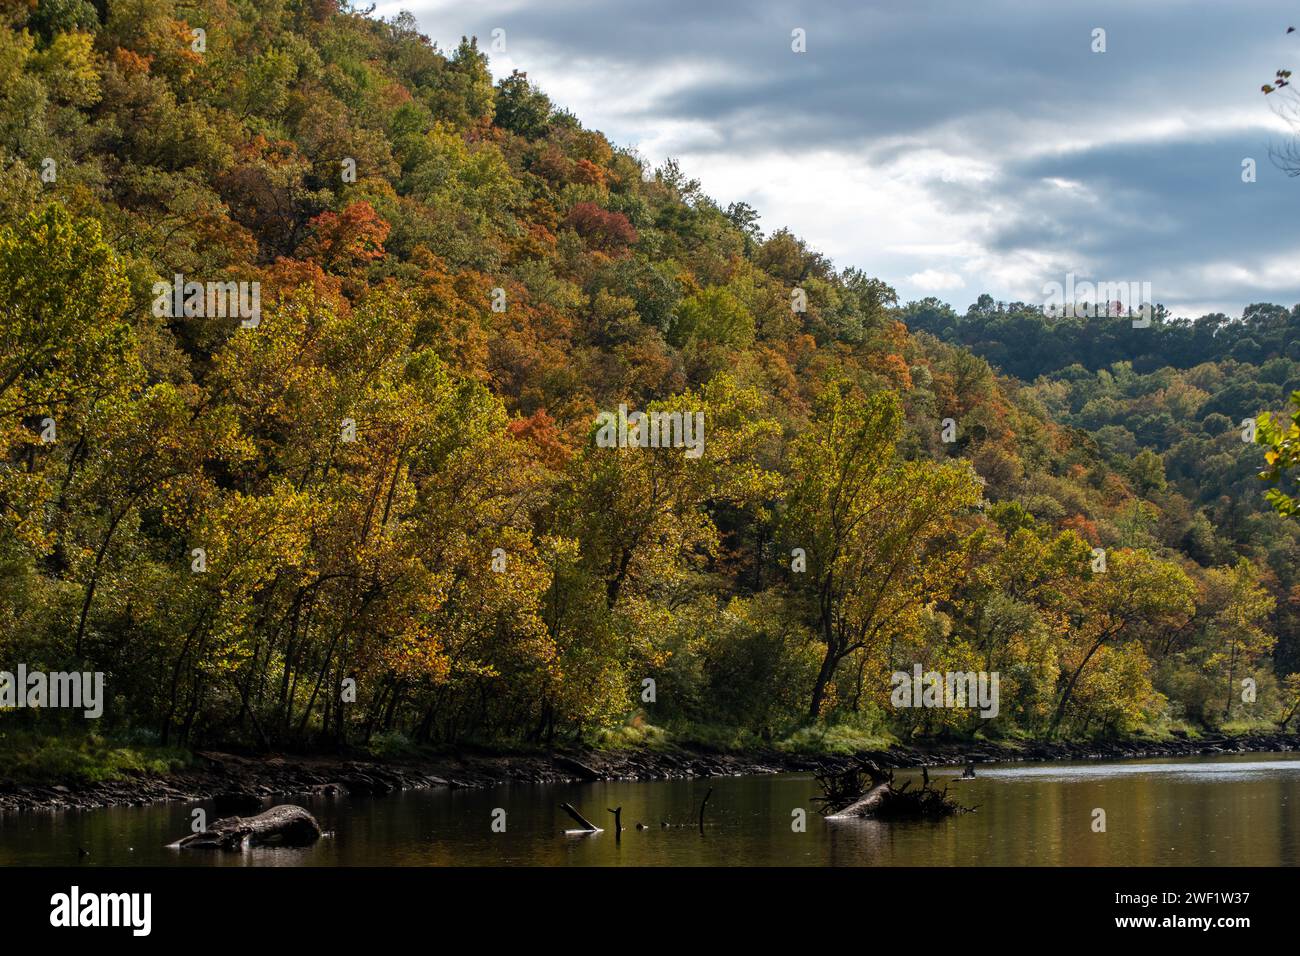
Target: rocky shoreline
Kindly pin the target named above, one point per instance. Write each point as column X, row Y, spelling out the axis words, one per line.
column 242, row 784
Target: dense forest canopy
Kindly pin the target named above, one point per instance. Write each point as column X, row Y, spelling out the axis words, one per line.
column 1028, row 341
column 305, row 333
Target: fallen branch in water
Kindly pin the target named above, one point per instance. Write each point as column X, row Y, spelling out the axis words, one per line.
column 585, row 824
column 866, row 790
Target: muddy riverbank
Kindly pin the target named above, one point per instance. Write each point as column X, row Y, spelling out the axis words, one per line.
column 240, row 782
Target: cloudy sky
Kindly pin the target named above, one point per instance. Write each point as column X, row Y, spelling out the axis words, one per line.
column 950, row 148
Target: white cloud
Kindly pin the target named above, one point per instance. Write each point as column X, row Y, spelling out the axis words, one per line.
column 936, row 280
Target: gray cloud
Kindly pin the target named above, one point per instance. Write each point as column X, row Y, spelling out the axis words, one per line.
column 1126, row 162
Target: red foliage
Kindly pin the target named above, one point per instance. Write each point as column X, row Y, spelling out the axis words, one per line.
column 1085, row 529
column 553, row 166
column 602, row 229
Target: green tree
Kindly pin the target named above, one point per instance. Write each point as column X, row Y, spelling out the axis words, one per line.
column 1138, row 595
column 881, row 535
column 714, row 316
column 1282, row 441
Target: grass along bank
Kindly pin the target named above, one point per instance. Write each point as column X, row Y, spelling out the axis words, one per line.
column 33, row 758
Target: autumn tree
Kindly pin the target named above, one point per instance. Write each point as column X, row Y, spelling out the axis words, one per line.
column 1137, row 596
column 882, row 536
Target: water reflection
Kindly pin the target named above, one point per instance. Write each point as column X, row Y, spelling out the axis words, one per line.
column 1234, row 810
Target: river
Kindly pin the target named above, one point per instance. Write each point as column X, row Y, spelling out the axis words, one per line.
column 1237, row 810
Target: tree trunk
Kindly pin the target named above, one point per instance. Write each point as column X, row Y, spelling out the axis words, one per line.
column 864, row 807
column 824, row 676
column 1069, row 689
column 94, row 579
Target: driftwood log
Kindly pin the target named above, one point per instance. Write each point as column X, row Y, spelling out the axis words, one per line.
column 866, row 806
column 285, row 825
column 866, row 790
column 586, row 825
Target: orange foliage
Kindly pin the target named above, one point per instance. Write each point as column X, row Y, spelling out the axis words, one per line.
column 546, row 442
column 350, row 238
column 289, row 275
column 894, row 368
column 589, row 173
column 131, row 63
column 1083, row 527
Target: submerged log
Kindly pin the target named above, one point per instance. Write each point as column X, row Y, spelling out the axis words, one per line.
column 868, row 791
column 864, row 807
column 851, row 787
column 285, row 825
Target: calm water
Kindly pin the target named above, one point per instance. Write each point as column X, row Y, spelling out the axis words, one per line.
column 1236, row 810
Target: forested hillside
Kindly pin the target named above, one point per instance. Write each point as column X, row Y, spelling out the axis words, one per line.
column 1170, row 405
column 350, row 487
